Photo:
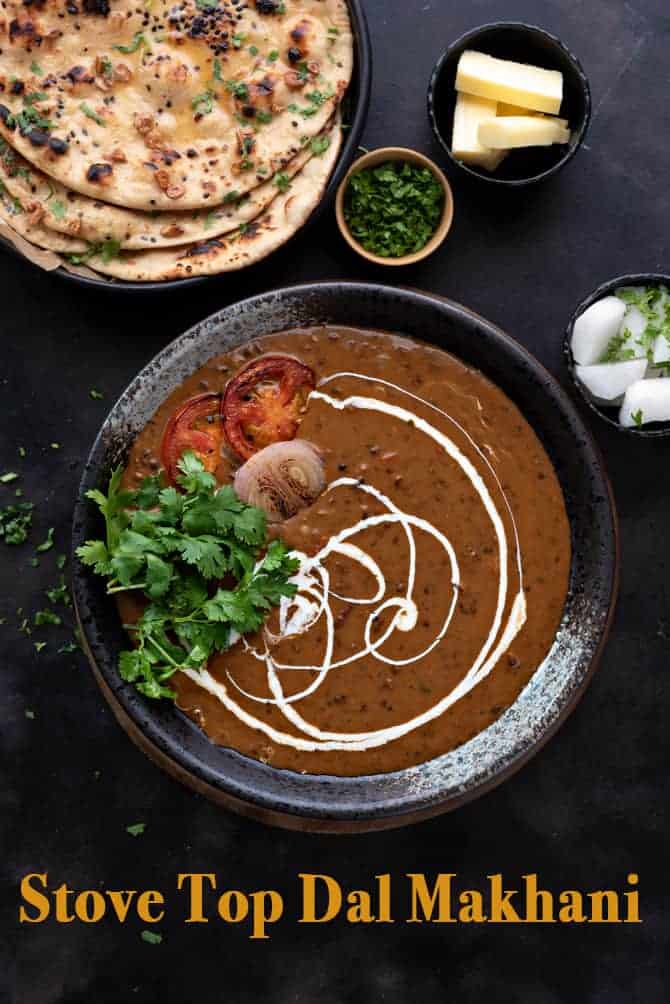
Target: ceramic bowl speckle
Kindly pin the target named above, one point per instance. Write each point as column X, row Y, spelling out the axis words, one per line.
column 354, row 111
column 523, row 43
column 332, row 804
column 654, row 430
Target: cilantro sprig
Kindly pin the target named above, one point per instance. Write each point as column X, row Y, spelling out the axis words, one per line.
column 200, row 558
column 393, row 209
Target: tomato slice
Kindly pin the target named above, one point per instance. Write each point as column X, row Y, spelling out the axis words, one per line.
column 195, row 425
column 262, row 403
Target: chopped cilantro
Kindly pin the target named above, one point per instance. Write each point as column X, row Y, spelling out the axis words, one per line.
column 393, row 209
column 55, row 446
column 105, row 250
column 7, row 478
column 282, row 181
column 217, row 71
column 58, row 209
column 91, row 114
column 36, row 69
column 203, row 104
column 238, row 89
column 319, row 145
column 29, row 714
column 47, row 544
column 206, row 4
column 39, row 645
column 175, row 546
column 637, row 417
column 61, row 561
column 60, row 593
column 22, row 451
column 238, row 39
column 138, row 40
column 151, row 936
column 96, row 395
column 137, row 829
column 273, row 56
column 253, row 50
column 68, row 648
column 231, row 197
column 15, row 522
column 43, row 617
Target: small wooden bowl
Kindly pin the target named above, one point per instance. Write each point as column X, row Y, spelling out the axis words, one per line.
column 382, row 156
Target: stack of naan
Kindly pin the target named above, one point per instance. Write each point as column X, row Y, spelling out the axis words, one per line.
column 160, row 139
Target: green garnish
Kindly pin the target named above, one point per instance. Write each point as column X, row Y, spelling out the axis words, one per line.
column 22, row 451
column 273, row 56
column 316, row 100
column 47, row 544
column 105, row 250
column 203, row 104
column 39, row 645
column 319, row 145
column 60, row 593
column 36, row 69
column 137, row 829
column 29, row 118
column 237, row 40
column 174, row 546
column 138, row 40
column 615, row 351
column 68, row 648
column 231, row 197
column 217, row 71
column 637, row 417
column 394, row 209
column 61, row 561
column 91, row 114
column 151, row 936
column 107, row 67
column 96, row 395
column 238, row 89
column 43, row 617
column 29, row 714
column 263, row 117
column 15, row 522
column 253, row 50
column 58, row 209
column 32, row 97
column 6, row 479
column 282, row 181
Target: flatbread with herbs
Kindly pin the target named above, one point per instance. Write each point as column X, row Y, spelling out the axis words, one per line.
column 168, row 105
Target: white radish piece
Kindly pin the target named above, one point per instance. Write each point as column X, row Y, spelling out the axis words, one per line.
column 608, row 382
column 661, row 350
column 646, row 401
column 594, row 328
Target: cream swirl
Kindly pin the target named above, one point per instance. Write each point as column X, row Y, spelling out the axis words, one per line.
column 312, row 602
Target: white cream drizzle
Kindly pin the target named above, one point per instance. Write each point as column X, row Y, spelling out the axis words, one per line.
column 311, row 603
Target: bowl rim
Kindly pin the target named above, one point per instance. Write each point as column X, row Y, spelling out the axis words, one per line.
column 366, row 802
column 396, row 153
column 604, row 289
column 578, row 136
column 362, row 75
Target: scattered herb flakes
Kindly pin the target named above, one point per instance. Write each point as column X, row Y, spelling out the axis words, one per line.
column 7, row 478
column 138, row 40
column 210, row 219
column 203, row 104
column 393, row 209
column 47, row 544
column 55, row 446
column 238, row 89
column 238, row 40
column 22, row 451
column 61, row 561
column 233, row 196
column 253, row 50
column 173, row 546
column 34, row 562
column 105, row 250
column 58, row 209
column 151, row 936
column 43, row 617
column 96, row 395
column 68, row 648
column 217, row 71
column 273, row 56
column 36, row 69
column 91, row 114
column 637, row 417
column 29, row 714
column 60, row 593
column 137, row 829
column 39, row 645
column 319, row 145
column 15, row 522
column 282, row 181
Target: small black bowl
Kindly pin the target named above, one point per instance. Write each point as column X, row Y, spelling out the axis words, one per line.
column 609, row 415
column 523, row 43
column 354, row 114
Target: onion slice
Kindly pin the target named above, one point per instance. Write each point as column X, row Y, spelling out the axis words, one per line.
column 282, row 478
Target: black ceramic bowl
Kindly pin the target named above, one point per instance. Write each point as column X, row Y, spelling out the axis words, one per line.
column 354, row 115
column 331, row 804
column 610, row 415
column 523, row 43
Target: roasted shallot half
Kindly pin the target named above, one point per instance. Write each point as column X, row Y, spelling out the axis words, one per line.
column 282, row 479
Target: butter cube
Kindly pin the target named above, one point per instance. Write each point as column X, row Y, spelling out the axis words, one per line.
column 515, row 131
column 514, row 83
column 469, row 114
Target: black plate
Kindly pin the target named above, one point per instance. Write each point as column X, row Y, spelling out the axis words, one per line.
column 331, row 803
column 523, row 43
column 610, row 415
column 354, row 113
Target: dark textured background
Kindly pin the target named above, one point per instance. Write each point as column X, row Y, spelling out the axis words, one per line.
column 591, row 807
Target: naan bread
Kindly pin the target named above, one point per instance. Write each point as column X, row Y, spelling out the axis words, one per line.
column 56, row 207
column 165, row 105
column 249, row 244
column 29, row 228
